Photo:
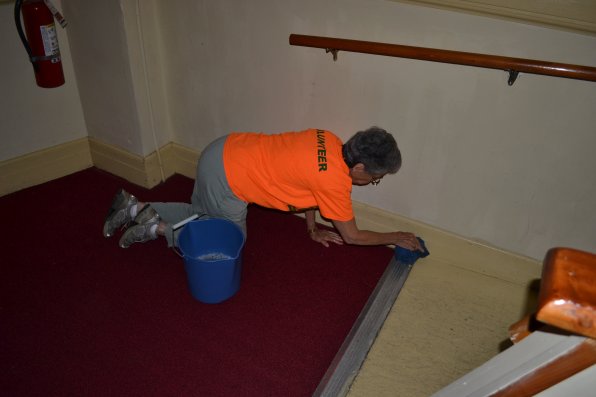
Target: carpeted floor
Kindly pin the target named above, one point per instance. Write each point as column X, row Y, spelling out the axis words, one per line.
column 80, row 316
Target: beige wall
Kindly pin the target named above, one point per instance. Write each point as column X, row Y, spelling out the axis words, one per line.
column 109, row 56
column 34, row 118
column 512, row 166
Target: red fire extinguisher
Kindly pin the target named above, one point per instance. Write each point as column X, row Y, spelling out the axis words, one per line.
column 41, row 40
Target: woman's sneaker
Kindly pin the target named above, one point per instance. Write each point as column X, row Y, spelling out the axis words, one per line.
column 143, row 229
column 119, row 213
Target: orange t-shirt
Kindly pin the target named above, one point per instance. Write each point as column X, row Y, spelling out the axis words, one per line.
column 291, row 171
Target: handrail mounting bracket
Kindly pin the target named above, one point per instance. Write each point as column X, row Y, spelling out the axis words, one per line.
column 332, row 51
column 512, row 76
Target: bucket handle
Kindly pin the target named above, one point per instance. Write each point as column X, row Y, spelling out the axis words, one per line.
column 178, row 226
column 177, row 251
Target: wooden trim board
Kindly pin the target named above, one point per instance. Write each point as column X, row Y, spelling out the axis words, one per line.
column 44, row 165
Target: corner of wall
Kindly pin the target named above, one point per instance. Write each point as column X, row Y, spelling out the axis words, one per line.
column 144, row 171
column 58, row 161
column 61, row 160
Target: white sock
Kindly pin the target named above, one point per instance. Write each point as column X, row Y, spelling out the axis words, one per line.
column 133, row 211
column 153, row 230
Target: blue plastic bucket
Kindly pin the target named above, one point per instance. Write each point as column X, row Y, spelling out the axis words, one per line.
column 212, row 252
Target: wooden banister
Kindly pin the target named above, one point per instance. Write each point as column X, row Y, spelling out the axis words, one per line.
column 556, row 348
column 567, row 304
column 511, row 65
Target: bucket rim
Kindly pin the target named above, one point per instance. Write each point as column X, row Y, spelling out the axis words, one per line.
column 214, row 220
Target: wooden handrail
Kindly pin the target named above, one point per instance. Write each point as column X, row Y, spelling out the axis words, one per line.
column 511, row 65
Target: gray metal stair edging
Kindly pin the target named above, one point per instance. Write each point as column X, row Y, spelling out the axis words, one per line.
column 347, row 362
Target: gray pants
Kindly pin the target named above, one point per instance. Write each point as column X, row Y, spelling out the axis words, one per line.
column 211, row 196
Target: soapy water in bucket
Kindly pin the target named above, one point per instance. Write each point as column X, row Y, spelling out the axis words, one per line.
column 212, row 252
column 213, row 256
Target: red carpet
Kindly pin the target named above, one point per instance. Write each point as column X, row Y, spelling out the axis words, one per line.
column 81, row 317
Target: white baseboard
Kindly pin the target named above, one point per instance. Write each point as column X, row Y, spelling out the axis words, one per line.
column 55, row 162
column 144, row 171
column 44, row 165
column 451, row 248
column 64, row 159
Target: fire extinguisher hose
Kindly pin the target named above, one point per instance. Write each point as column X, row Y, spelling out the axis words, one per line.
column 17, row 20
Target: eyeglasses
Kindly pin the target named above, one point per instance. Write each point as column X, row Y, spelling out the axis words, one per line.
column 375, row 181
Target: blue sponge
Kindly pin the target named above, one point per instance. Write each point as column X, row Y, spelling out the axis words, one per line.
column 403, row 255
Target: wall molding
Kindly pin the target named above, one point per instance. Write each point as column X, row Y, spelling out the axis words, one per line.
column 61, row 160
column 451, row 248
column 144, row 171
column 44, row 165
column 579, row 17
column 64, row 159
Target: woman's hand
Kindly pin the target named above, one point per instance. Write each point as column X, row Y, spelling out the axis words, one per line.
column 325, row 237
column 408, row 241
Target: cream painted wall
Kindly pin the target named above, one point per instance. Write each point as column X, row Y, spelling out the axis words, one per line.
column 145, row 55
column 512, row 166
column 109, row 52
column 34, row 118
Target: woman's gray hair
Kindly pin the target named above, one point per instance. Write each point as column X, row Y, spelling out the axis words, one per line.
column 376, row 149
